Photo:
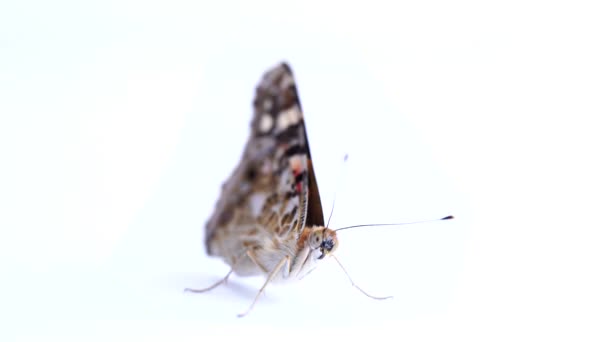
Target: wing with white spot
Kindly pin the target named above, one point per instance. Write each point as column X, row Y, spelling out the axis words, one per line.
column 273, row 190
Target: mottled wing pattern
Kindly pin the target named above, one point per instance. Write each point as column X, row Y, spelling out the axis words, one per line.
column 273, row 191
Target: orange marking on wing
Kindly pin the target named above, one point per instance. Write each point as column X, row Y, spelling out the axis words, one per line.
column 303, row 239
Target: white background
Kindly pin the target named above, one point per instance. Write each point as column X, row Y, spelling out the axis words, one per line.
column 121, row 119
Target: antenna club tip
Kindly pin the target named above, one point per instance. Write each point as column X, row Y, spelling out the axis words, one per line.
column 448, row 218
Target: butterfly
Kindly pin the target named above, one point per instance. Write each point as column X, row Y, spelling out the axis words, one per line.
column 269, row 219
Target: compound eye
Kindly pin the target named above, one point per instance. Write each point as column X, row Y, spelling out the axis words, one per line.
column 328, row 244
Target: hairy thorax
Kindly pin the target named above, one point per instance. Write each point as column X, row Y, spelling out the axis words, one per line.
column 250, row 257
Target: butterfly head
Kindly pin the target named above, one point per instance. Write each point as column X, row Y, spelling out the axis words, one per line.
column 323, row 240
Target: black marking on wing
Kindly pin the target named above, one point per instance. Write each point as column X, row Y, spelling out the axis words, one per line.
column 315, row 209
column 278, row 133
column 295, row 149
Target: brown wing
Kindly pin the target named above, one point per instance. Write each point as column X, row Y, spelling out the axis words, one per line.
column 273, row 190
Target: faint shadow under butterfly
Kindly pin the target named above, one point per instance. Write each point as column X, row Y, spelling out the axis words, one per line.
column 269, row 220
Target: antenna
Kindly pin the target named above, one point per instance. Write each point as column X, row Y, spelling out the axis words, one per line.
column 333, row 203
column 395, row 224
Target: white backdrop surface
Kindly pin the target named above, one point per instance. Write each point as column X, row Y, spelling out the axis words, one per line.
column 119, row 120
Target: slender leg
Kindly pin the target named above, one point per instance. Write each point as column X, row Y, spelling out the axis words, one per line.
column 268, row 279
column 251, row 256
column 307, row 273
column 357, row 286
column 222, row 281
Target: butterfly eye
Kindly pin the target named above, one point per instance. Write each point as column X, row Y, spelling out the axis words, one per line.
column 328, row 244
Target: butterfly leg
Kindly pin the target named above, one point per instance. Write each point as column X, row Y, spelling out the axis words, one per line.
column 283, row 263
column 222, row 281
column 357, row 286
column 251, row 255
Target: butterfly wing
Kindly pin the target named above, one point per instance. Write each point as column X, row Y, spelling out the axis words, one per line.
column 273, row 191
